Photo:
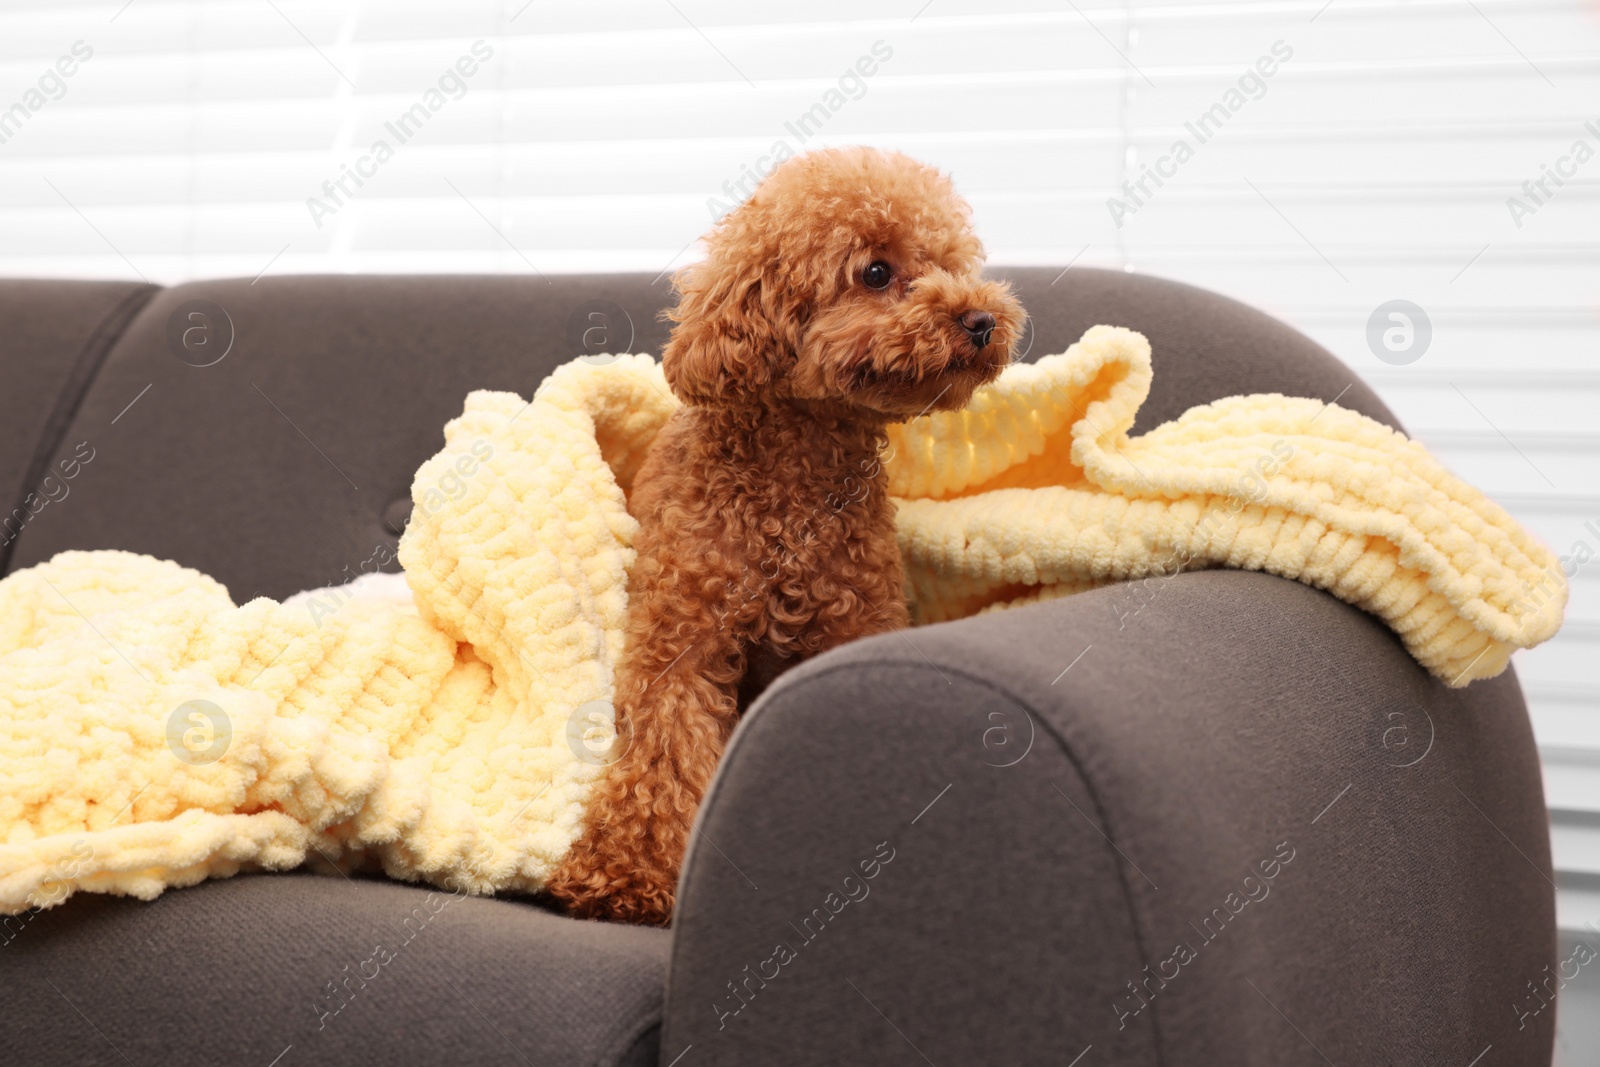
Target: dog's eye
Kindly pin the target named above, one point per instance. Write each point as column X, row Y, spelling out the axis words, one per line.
column 877, row 275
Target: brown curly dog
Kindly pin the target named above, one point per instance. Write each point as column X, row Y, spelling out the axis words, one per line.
column 843, row 296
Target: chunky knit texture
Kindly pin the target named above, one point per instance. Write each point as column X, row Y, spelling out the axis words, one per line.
column 1036, row 490
column 448, row 741
column 434, row 740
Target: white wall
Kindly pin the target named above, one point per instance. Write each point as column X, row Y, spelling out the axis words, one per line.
column 1375, row 164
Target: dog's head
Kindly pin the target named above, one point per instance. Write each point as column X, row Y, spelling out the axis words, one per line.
column 851, row 276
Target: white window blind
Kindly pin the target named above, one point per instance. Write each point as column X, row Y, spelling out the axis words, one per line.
column 1336, row 156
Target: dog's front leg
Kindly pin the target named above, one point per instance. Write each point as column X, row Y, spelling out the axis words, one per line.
column 676, row 704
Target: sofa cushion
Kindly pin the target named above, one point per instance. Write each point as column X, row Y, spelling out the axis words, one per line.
column 1203, row 346
column 301, row 969
column 287, row 463
column 54, row 336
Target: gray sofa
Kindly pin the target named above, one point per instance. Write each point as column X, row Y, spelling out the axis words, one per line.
column 1214, row 819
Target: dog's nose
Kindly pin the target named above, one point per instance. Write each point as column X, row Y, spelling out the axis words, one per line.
column 978, row 324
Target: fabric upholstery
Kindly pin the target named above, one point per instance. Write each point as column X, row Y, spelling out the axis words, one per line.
column 1196, row 733
column 286, row 465
column 53, row 338
column 346, row 972
column 1204, row 346
column 1235, row 717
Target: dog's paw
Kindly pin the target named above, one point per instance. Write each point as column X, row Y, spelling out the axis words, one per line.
column 643, row 898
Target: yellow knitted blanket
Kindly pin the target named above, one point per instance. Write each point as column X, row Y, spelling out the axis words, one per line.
column 153, row 734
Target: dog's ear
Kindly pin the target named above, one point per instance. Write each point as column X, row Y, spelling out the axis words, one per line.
column 723, row 345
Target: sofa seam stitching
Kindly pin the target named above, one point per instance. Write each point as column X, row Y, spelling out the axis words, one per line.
column 85, row 372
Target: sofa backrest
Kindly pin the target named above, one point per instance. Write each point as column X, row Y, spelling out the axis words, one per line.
column 265, row 432
column 54, row 336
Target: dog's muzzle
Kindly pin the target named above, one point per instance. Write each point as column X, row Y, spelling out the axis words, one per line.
column 979, row 326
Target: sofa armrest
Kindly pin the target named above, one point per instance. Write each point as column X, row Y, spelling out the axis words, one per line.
column 1217, row 818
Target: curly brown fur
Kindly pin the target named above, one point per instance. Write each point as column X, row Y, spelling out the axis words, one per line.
column 766, row 531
